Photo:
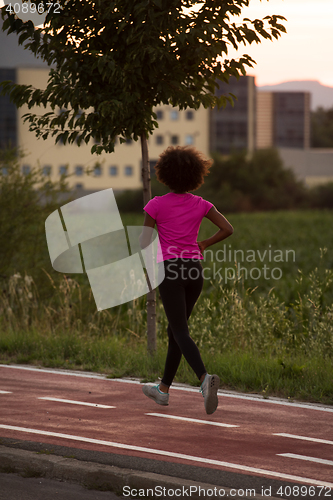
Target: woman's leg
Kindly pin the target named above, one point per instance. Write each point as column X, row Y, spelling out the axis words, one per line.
column 179, row 292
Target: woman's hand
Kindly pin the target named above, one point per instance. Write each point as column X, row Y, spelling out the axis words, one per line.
column 202, row 246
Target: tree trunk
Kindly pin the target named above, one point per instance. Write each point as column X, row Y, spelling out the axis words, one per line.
column 151, row 296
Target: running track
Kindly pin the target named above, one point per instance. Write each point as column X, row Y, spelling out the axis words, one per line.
column 266, row 438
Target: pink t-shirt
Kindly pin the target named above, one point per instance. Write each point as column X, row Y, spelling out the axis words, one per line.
column 178, row 218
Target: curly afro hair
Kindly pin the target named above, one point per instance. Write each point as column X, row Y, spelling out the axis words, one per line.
column 182, row 168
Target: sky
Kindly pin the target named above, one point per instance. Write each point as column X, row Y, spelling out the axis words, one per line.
column 303, row 53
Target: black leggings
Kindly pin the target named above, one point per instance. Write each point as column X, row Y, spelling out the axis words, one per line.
column 179, row 291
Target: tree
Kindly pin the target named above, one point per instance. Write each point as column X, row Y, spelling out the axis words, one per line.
column 25, row 202
column 239, row 183
column 113, row 61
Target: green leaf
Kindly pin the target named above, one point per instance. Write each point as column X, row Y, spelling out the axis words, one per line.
column 23, row 37
column 6, row 24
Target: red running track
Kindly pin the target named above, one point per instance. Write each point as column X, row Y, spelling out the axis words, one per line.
column 267, row 438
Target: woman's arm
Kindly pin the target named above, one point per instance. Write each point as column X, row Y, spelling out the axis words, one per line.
column 225, row 229
column 147, row 231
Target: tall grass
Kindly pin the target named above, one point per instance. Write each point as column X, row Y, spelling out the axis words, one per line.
column 258, row 337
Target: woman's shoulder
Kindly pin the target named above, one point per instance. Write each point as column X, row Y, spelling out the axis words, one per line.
column 156, row 203
column 156, row 199
column 199, row 199
column 161, row 198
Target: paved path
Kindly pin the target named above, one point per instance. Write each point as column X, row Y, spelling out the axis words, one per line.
column 266, row 440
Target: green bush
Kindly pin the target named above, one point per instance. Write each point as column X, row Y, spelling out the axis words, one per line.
column 239, row 183
column 131, row 201
column 26, row 200
column 322, row 196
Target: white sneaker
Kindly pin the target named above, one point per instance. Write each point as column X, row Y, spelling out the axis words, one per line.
column 153, row 392
column 209, row 388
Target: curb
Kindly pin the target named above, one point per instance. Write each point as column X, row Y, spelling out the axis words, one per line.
column 109, row 478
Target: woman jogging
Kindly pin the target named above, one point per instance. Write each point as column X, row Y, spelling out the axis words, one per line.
column 178, row 216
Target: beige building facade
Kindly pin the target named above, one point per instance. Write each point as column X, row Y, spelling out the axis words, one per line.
column 119, row 170
column 283, row 120
column 264, row 120
column 313, row 166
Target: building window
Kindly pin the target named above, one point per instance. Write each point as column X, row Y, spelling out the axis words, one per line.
column 78, row 170
column 128, row 170
column 129, row 141
column 189, row 140
column 159, row 114
column 174, row 139
column 159, row 139
column 97, row 171
column 174, row 114
column 47, row 170
column 79, row 185
column 4, row 171
column 152, row 164
column 113, row 170
column 189, row 115
column 26, row 169
column 63, row 170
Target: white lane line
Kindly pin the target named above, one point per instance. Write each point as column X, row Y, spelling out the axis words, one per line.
column 195, row 420
column 57, row 372
column 310, row 406
column 5, row 392
column 170, row 454
column 303, row 457
column 76, row 402
column 304, row 438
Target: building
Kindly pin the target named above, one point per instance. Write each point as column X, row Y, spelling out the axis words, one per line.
column 313, row 165
column 12, row 56
column 265, row 120
column 259, row 119
column 283, row 120
column 234, row 127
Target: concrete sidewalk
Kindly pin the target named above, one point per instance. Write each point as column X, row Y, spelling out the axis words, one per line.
column 125, row 483
column 15, row 487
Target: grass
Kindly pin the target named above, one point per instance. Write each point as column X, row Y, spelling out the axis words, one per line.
column 290, row 376
column 268, row 336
